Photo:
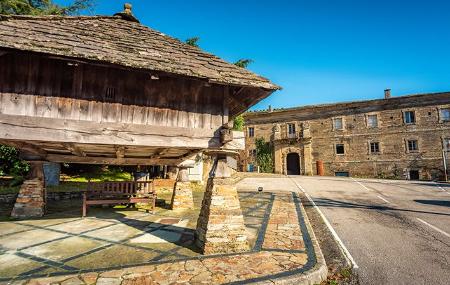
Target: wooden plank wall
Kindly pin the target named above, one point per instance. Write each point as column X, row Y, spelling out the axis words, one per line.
column 32, row 85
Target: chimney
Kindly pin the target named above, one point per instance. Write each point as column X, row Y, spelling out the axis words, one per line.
column 126, row 14
column 387, row 93
column 127, row 8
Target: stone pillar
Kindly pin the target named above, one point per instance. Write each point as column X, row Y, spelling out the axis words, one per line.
column 182, row 198
column 307, row 158
column 32, row 195
column 220, row 226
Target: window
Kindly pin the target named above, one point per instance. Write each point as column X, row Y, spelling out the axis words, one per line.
column 251, row 132
column 445, row 115
column 291, row 129
column 110, row 94
column 372, row 121
column 338, row 124
column 413, row 145
column 374, row 147
column 340, row 149
column 252, row 152
column 410, row 117
column 342, row 174
column 446, row 145
column 250, row 168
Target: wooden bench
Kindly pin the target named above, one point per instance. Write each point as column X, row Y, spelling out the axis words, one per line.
column 117, row 193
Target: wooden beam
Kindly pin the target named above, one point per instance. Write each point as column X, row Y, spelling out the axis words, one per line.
column 112, row 160
column 88, row 132
column 189, row 154
column 120, row 152
column 25, row 147
column 160, row 152
column 74, row 149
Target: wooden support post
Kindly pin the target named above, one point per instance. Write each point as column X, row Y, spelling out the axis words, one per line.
column 182, row 197
column 32, row 195
column 220, row 226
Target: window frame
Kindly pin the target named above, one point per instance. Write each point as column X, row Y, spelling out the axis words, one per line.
column 446, row 144
column 289, row 128
column 441, row 118
column 336, row 148
column 342, row 123
column 378, row 146
column 416, row 145
column 368, row 121
column 405, row 116
column 251, row 132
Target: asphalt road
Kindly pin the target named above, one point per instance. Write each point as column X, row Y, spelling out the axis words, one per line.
column 398, row 232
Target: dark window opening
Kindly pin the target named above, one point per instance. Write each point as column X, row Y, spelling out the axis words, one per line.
column 342, row 173
column 110, row 94
column 413, row 145
column 340, row 149
column 375, row 147
column 251, row 132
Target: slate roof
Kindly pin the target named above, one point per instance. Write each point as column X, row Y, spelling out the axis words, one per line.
column 113, row 39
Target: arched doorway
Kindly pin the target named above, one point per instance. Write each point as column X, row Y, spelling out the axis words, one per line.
column 293, row 164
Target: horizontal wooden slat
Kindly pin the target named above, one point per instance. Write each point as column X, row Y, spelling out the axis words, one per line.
column 72, row 131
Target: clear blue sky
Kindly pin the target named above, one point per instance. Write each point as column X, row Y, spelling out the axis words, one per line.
column 318, row 51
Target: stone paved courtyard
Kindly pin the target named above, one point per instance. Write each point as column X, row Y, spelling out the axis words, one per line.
column 130, row 246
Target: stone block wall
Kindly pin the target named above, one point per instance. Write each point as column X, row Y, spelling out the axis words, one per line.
column 393, row 161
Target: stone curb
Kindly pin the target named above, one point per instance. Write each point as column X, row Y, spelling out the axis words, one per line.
column 315, row 275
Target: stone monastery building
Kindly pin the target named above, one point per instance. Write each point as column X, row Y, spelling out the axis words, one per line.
column 404, row 137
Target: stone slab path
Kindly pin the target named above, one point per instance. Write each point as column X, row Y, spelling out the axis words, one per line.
column 282, row 249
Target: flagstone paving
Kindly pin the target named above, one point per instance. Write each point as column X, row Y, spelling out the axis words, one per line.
column 127, row 246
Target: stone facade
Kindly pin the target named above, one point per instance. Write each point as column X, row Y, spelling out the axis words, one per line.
column 31, row 200
column 399, row 137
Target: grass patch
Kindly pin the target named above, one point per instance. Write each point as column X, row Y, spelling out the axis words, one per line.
column 100, row 176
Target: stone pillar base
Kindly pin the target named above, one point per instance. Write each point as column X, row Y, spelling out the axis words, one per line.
column 31, row 200
column 182, row 198
column 220, row 226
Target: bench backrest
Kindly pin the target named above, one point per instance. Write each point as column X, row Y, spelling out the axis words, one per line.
column 121, row 188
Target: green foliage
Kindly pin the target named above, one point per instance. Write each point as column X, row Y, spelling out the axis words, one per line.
column 12, row 165
column 42, row 7
column 95, row 173
column 264, row 155
column 238, row 123
column 243, row 62
column 193, row 41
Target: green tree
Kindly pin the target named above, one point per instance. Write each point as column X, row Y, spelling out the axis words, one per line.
column 42, row 7
column 193, row 41
column 11, row 164
column 238, row 123
column 264, row 155
column 243, row 62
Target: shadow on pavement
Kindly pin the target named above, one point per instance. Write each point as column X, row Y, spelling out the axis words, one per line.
column 442, row 203
column 341, row 204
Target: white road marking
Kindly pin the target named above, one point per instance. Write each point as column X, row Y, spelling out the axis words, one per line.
column 384, row 199
column 434, row 228
column 327, row 223
column 362, row 185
